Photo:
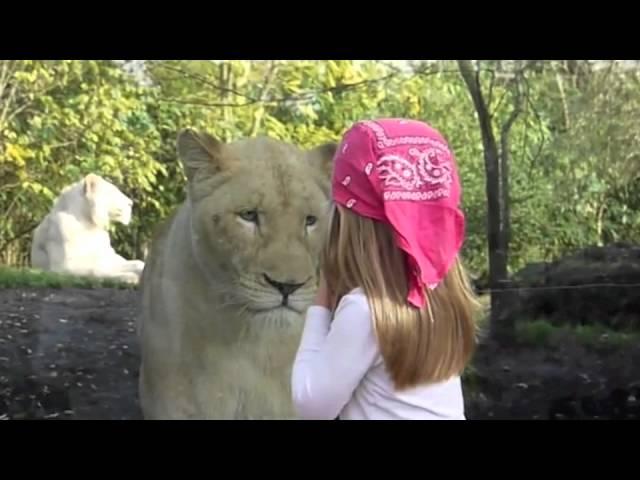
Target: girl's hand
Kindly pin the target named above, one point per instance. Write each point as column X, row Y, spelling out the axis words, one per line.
column 323, row 296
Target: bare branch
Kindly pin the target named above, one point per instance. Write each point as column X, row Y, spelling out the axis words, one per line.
column 505, row 161
column 513, row 116
column 4, row 76
column 306, row 96
column 538, row 118
column 206, row 81
column 7, row 213
column 7, row 115
column 9, row 67
column 490, row 95
column 524, row 199
column 18, row 236
column 266, row 84
column 9, row 186
column 7, row 103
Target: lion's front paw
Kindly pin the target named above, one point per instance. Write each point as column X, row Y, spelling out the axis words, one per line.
column 132, row 278
column 137, row 266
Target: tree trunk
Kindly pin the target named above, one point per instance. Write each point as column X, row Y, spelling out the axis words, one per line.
column 505, row 161
column 494, row 193
column 600, row 222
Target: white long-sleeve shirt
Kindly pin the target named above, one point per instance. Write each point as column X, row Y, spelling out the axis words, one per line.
column 339, row 371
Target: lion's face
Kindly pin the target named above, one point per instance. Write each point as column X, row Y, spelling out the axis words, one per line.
column 106, row 201
column 259, row 210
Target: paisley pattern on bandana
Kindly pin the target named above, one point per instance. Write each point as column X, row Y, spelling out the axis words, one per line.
column 403, row 172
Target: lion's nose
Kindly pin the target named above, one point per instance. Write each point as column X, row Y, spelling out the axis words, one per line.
column 285, row 289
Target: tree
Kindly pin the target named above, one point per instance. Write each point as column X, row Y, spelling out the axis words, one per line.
column 497, row 163
column 598, row 156
column 70, row 118
column 559, row 136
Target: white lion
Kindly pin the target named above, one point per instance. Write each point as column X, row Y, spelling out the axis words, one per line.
column 229, row 277
column 73, row 237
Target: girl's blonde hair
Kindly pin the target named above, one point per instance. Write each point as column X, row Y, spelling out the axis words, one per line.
column 419, row 346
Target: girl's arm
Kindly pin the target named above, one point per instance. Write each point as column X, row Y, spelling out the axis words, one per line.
column 333, row 358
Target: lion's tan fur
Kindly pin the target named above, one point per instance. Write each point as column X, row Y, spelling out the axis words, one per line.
column 214, row 345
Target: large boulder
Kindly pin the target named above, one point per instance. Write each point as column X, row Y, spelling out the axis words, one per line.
column 597, row 285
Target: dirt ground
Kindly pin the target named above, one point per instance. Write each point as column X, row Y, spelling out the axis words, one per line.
column 68, row 354
column 72, row 354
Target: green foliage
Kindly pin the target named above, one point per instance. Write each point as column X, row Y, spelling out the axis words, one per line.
column 598, row 158
column 538, row 332
column 574, row 150
column 543, row 333
column 87, row 116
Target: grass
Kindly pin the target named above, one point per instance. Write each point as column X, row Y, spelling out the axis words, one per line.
column 470, row 378
column 25, row 277
column 543, row 333
column 538, row 332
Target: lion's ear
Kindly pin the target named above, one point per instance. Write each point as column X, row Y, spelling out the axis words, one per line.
column 322, row 158
column 198, row 150
column 90, row 184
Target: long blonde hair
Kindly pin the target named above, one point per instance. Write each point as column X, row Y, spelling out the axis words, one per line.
column 419, row 346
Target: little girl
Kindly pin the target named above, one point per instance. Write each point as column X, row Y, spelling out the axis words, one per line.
column 393, row 323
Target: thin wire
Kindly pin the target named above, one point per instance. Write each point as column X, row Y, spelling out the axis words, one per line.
column 564, row 287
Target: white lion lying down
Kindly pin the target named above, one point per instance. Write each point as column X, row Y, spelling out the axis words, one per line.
column 73, row 237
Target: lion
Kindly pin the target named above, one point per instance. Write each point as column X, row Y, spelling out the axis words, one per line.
column 73, row 237
column 228, row 278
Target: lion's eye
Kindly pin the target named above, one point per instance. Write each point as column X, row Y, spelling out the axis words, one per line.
column 310, row 221
column 249, row 216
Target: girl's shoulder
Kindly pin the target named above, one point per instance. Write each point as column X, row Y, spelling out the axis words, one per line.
column 354, row 297
column 354, row 308
column 358, row 292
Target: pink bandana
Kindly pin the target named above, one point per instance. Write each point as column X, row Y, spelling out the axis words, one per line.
column 403, row 173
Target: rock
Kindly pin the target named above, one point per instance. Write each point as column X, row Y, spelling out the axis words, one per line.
column 597, row 285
